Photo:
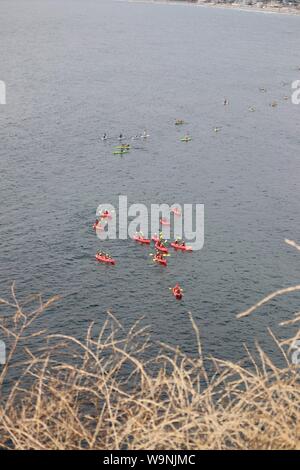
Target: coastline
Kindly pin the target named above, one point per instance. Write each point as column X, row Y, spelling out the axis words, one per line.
column 272, row 8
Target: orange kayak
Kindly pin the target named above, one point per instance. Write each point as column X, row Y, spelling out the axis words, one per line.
column 160, row 261
column 97, row 227
column 176, row 212
column 161, row 248
column 177, row 293
column 146, row 241
column 181, row 247
column 165, row 222
column 103, row 259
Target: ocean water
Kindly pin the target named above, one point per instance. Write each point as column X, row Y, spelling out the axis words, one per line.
column 75, row 69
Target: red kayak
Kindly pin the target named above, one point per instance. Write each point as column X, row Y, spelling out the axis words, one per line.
column 146, row 241
column 176, row 211
column 160, row 261
column 103, row 259
column 164, row 222
column 181, row 247
column 161, row 248
column 97, row 227
column 177, row 292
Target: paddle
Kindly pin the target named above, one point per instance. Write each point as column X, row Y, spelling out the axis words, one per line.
column 163, row 254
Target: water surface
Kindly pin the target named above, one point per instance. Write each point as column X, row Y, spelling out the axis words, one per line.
column 76, row 69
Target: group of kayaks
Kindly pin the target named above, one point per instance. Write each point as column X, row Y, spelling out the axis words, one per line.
column 161, row 248
column 100, row 255
column 122, row 149
column 161, row 252
column 160, row 245
column 187, row 137
column 102, row 217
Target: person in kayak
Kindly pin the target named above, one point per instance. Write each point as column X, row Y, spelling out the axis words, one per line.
column 178, row 292
column 160, row 243
column 144, row 134
column 187, row 137
column 104, row 137
column 121, row 136
column 177, row 289
column 159, row 255
column 140, row 234
column 179, row 242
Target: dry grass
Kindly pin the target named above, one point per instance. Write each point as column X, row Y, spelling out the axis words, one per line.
column 103, row 394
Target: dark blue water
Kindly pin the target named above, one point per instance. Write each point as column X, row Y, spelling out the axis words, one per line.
column 76, row 69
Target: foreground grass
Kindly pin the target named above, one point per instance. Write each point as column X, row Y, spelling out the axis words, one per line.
column 103, row 394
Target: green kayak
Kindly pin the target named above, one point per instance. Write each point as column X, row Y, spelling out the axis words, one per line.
column 120, row 152
column 186, row 139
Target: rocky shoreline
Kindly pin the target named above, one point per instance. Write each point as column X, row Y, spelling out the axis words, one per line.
column 270, row 7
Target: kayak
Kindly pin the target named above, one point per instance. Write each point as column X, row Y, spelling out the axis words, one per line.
column 127, row 146
column 176, row 211
column 179, row 122
column 186, row 139
column 98, row 227
column 105, row 260
column 106, row 216
column 163, row 249
column 146, row 241
column 160, row 261
column 177, row 293
column 180, row 247
column 164, row 222
column 120, row 152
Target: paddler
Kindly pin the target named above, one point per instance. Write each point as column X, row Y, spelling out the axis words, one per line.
column 177, row 289
column 159, row 255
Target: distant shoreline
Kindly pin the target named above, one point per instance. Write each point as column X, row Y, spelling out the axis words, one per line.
column 263, row 8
